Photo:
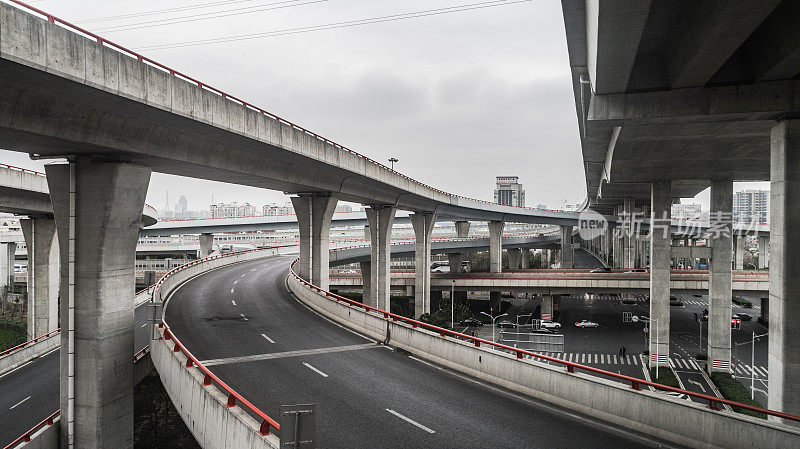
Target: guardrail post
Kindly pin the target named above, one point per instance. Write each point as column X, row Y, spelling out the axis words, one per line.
column 264, row 430
column 231, row 400
column 635, row 385
column 207, row 380
column 570, row 369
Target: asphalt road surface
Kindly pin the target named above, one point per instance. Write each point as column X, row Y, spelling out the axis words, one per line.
column 367, row 395
column 29, row 394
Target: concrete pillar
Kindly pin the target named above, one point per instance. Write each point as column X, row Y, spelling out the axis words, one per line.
column 462, row 229
column 454, row 260
column 660, row 224
column 514, row 256
column 7, row 251
column 629, row 239
column 423, row 229
column 763, row 251
column 302, row 210
column 739, row 252
column 410, row 291
column 380, row 218
column 43, row 274
column 322, row 209
column 784, row 263
column 97, row 208
column 366, row 277
column 367, row 235
column 206, row 244
column 496, row 246
column 547, row 307
column 567, row 255
column 719, row 287
column 526, row 258
column 607, row 244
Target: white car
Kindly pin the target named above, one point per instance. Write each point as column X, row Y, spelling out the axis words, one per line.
column 586, row 323
column 550, row 325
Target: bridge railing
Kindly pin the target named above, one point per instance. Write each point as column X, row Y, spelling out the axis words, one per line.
column 30, row 342
column 23, row 170
column 635, row 383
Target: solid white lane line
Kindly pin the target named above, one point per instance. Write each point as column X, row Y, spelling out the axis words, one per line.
column 268, row 339
column 315, row 370
column 143, row 325
column 18, row 403
column 285, row 354
column 411, row 421
column 233, row 302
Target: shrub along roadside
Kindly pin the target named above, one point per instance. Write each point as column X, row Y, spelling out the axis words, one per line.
column 665, row 377
column 732, row 389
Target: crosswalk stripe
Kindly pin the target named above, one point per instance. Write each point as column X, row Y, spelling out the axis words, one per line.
column 694, row 364
column 761, row 371
column 635, row 360
column 680, row 364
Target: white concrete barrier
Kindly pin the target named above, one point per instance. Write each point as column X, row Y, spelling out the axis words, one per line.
column 651, row 413
column 203, row 407
column 45, row 437
column 31, row 350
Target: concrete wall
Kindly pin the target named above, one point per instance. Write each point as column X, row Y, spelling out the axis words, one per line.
column 23, row 355
column 203, row 408
column 44, row 438
column 652, row 413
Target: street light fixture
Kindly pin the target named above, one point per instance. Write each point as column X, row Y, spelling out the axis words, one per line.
column 392, row 160
column 493, row 321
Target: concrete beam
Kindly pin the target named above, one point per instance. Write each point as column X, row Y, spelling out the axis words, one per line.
column 719, row 292
column 423, row 230
column 613, row 34
column 43, row 274
column 707, row 34
column 97, row 208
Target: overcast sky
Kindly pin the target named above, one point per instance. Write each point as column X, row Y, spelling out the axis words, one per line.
column 458, row 98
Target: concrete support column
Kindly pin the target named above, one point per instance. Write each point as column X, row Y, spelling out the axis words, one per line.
column 366, row 277
column 380, row 218
column 719, row 287
column 302, row 210
column 423, row 229
column 784, row 263
column 547, row 307
column 7, row 251
column 629, row 239
column 763, row 252
column 454, row 260
column 367, row 235
column 567, row 255
column 43, row 274
column 526, row 258
column 660, row 225
column 462, row 229
column 97, row 208
column 607, row 244
column 514, row 256
column 496, row 246
column 322, row 209
column 739, row 252
column 206, row 244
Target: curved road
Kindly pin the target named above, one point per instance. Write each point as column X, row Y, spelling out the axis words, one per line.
column 368, row 395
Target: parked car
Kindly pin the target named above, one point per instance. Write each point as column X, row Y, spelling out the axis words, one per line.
column 547, row 324
column 471, row 322
column 505, row 323
column 601, row 270
column 586, row 323
column 637, row 270
column 742, row 316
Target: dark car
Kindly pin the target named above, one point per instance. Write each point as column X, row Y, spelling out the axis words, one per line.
column 601, row 270
column 742, row 316
column 505, row 323
column 471, row 322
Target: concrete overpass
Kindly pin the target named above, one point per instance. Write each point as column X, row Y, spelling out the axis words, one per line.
column 674, row 97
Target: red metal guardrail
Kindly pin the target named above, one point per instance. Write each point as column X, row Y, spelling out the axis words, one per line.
column 35, row 340
column 23, row 170
column 141, row 58
column 713, row 402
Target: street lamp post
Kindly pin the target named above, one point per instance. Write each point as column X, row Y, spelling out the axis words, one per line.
column 752, row 361
column 452, row 305
column 493, row 321
column 392, row 160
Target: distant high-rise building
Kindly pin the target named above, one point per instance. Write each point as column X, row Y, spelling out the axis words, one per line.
column 690, row 211
column 751, row 206
column 181, row 208
column 343, row 208
column 276, row 209
column 509, row 191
